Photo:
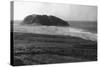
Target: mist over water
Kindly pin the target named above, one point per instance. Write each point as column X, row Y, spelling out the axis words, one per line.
column 55, row 30
column 89, row 26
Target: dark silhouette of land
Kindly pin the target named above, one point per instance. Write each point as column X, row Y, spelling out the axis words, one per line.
column 45, row 20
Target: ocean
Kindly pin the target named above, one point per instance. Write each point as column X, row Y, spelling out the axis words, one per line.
column 90, row 26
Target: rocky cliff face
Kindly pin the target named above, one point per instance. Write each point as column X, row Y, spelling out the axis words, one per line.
column 45, row 20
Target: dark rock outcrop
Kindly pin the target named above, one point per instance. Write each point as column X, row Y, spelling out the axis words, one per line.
column 57, row 21
column 45, row 20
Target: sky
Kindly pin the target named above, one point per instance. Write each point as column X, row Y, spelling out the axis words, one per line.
column 64, row 11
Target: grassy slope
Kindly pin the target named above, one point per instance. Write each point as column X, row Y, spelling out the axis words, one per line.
column 43, row 49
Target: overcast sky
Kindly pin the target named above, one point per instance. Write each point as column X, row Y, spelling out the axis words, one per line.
column 64, row 11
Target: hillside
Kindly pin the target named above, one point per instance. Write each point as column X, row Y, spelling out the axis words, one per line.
column 32, row 49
